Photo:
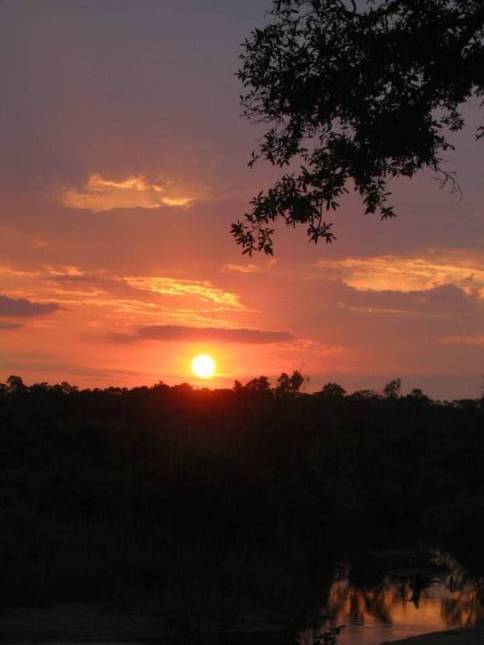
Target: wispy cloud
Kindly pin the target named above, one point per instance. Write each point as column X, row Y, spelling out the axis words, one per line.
column 204, row 290
column 181, row 333
column 250, row 268
column 178, row 300
column 65, row 271
column 444, row 301
column 410, row 273
column 243, row 268
column 42, row 362
column 472, row 340
column 23, row 308
column 10, row 272
column 135, row 191
column 6, row 326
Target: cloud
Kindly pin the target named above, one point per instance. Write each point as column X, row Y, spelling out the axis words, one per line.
column 101, row 194
column 244, row 268
column 442, row 301
column 43, row 362
column 9, row 272
column 9, row 325
column 67, row 271
column 183, row 301
column 410, row 273
column 38, row 243
column 171, row 287
column 250, row 268
column 474, row 340
column 181, row 333
column 23, row 308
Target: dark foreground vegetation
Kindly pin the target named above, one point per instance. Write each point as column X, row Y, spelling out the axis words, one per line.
column 215, row 502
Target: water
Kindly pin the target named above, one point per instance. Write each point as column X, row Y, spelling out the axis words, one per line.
column 378, row 599
column 402, row 603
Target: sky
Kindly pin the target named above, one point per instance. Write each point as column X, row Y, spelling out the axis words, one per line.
column 122, row 165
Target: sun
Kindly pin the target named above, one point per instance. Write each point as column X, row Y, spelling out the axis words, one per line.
column 203, row 366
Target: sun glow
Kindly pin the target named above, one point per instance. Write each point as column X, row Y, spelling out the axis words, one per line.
column 203, row 366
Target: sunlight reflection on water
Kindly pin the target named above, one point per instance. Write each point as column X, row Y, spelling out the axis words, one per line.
column 375, row 605
column 400, row 606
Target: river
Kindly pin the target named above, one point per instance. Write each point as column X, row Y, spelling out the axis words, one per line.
column 401, row 601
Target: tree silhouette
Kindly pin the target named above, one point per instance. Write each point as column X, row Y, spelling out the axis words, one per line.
column 356, row 93
column 289, row 385
column 393, row 388
column 202, row 501
column 333, row 391
column 418, row 395
column 15, row 384
column 259, row 384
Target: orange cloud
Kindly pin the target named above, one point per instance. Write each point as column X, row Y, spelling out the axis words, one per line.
column 8, row 271
column 250, row 268
column 69, row 271
column 171, row 287
column 102, row 194
column 410, row 273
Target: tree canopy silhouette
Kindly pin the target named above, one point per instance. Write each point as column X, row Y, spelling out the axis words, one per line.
column 209, row 504
column 358, row 93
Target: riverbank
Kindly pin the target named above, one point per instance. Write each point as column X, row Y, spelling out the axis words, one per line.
column 84, row 623
column 76, row 622
column 469, row 636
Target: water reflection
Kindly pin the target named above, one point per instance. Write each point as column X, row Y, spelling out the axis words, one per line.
column 377, row 604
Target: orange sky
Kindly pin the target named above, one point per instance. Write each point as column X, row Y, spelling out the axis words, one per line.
column 124, row 161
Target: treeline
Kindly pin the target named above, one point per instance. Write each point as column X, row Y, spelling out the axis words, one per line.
column 212, row 497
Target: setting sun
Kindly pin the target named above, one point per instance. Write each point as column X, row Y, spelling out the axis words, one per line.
column 203, row 366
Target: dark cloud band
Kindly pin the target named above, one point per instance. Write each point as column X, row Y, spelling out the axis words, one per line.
column 23, row 308
column 181, row 333
column 6, row 326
